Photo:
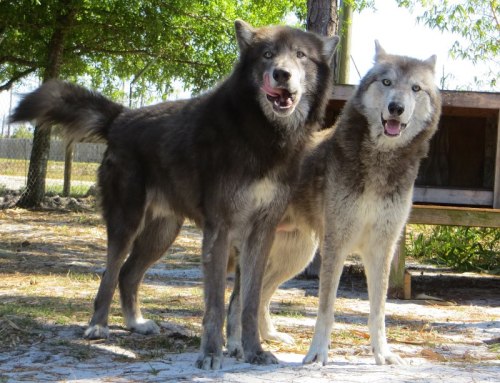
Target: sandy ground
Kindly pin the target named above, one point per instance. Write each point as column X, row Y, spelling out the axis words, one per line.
column 465, row 358
column 460, row 333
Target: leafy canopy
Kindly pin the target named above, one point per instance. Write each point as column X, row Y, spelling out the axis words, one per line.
column 147, row 41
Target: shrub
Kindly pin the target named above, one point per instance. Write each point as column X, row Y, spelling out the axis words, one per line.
column 461, row 248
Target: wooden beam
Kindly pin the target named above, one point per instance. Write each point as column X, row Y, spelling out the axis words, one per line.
column 457, row 216
column 453, row 196
column 472, row 103
column 342, row 92
column 477, row 100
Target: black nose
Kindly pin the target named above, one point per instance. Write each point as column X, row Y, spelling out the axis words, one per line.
column 281, row 75
column 395, row 108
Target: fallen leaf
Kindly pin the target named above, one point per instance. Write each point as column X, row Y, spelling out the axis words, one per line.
column 432, row 355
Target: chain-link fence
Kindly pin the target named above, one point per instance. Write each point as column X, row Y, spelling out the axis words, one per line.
column 15, row 157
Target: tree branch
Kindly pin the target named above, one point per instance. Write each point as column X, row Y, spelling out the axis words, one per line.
column 16, row 77
column 494, row 14
column 16, row 60
column 143, row 52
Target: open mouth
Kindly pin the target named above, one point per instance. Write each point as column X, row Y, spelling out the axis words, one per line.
column 281, row 98
column 392, row 128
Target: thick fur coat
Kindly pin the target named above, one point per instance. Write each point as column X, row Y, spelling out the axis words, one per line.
column 354, row 195
column 226, row 160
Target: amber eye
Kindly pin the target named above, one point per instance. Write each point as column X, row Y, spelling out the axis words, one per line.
column 268, row 54
column 300, row 54
column 386, row 82
column 416, row 88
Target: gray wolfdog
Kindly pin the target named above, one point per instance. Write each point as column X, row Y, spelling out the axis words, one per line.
column 226, row 160
column 354, row 196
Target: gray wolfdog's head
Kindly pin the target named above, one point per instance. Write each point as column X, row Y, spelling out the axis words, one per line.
column 288, row 66
column 399, row 98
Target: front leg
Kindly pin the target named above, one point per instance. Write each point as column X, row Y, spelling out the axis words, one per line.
column 377, row 268
column 233, row 325
column 253, row 260
column 332, row 262
column 290, row 254
column 215, row 252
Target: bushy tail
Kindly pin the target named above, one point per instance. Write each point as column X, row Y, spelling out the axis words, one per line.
column 80, row 112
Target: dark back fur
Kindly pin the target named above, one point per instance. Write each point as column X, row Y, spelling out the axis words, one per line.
column 211, row 145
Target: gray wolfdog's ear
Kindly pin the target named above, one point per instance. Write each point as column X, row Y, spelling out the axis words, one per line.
column 329, row 46
column 431, row 61
column 244, row 34
column 379, row 51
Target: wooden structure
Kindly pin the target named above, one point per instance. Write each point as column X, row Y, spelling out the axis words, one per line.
column 459, row 181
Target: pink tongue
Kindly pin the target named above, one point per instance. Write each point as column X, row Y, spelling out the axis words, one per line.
column 393, row 127
column 268, row 89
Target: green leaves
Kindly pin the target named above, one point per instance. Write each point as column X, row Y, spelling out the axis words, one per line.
column 152, row 43
column 475, row 22
column 461, row 248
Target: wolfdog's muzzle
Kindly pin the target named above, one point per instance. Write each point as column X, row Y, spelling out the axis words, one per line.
column 281, row 97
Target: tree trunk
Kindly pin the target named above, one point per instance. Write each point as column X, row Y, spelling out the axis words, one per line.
column 35, row 189
column 322, row 19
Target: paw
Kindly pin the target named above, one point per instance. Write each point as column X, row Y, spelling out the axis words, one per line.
column 388, row 358
column 235, row 350
column 209, row 362
column 145, row 327
column 260, row 357
column 96, row 331
column 316, row 355
column 280, row 337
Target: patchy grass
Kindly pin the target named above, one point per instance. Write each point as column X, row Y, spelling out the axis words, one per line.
column 75, row 190
column 81, row 171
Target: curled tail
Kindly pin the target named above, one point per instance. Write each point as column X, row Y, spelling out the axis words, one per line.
column 80, row 112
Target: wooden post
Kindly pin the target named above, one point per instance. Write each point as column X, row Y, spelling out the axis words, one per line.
column 345, row 42
column 68, row 163
column 496, row 183
column 397, row 276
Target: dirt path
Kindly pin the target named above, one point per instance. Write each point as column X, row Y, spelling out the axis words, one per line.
column 50, row 265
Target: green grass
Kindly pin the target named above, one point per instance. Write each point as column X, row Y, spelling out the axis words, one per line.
column 81, row 171
column 75, row 190
column 461, row 248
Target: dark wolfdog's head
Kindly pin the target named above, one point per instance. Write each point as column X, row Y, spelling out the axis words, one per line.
column 290, row 68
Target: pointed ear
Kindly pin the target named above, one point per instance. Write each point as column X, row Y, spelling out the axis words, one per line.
column 329, row 46
column 431, row 61
column 379, row 51
column 244, row 34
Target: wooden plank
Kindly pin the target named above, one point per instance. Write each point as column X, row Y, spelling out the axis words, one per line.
column 468, row 112
column 450, row 99
column 407, row 287
column 450, row 215
column 477, row 100
column 452, row 196
column 343, row 92
column 496, row 187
